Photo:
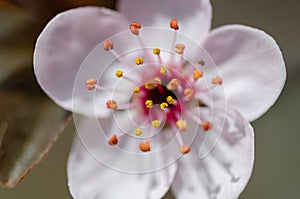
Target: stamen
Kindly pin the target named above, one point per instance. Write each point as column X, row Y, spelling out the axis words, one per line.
column 119, row 73
column 136, row 90
column 135, row 28
column 174, row 24
column 197, row 74
column 138, row 132
column 179, row 48
column 201, row 62
column 206, row 89
column 170, row 100
column 205, row 125
column 149, row 103
column 157, row 80
column 150, row 84
column 182, row 125
column 157, row 84
column 189, row 93
column 163, row 106
column 173, row 84
column 113, row 140
column 156, row 123
column 111, row 104
column 130, row 79
column 163, row 70
column 217, row 80
column 104, row 88
column 145, row 146
column 127, row 105
column 184, row 149
column 156, row 51
column 91, row 84
column 139, row 61
column 108, row 45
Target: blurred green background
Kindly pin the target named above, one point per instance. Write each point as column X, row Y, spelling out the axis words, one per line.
column 276, row 173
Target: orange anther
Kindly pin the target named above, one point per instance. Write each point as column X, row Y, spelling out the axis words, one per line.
column 179, row 48
column 205, row 125
column 135, row 27
column 197, row 74
column 184, row 149
column 108, row 45
column 174, row 24
column 173, row 84
column 91, row 84
column 182, row 125
column 111, row 104
column 189, row 93
column 145, row 146
column 217, row 80
column 113, row 140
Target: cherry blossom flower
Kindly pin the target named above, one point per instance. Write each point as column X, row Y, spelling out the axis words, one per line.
column 159, row 100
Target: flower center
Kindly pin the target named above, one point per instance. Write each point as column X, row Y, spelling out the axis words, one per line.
column 164, row 93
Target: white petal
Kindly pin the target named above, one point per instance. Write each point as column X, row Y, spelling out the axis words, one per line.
column 90, row 179
column 64, row 44
column 251, row 65
column 225, row 171
column 194, row 16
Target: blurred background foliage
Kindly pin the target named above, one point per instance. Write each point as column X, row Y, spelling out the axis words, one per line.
column 25, row 112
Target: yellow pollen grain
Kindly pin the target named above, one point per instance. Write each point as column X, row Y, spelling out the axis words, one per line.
column 156, row 51
column 139, row 61
column 197, row 74
column 119, row 73
column 182, row 125
column 170, row 100
column 163, row 106
column 136, row 90
column 157, row 80
column 155, row 123
column 163, row 70
column 138, row 132
column 149, row 103
column 150, row 84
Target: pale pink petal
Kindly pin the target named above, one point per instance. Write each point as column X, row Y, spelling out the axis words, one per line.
column 224, row 172
column 89, row 178
column 251, row 65
column 194, row 16
column 63, row 45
